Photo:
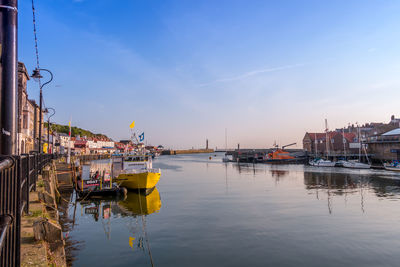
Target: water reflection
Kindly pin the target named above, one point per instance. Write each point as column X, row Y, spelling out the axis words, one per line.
column 135, row 208
column 248, row 168
column 279, row 173
column 140, row 204
column 344, row 184
column 310, row 218
column 335, row 184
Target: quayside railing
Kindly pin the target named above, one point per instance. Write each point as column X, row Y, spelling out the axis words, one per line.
column 18, row 176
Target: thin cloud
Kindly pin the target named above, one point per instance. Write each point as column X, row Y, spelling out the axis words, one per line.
column 252, row 73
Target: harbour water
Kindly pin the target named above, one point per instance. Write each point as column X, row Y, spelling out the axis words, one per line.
column 209, row 213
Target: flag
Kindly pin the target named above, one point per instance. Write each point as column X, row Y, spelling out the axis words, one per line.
column 69, row 123
column 132, row 125
column 141, row 137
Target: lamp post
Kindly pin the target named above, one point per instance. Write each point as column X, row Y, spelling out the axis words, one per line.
column 48, row 128
column 36, row 75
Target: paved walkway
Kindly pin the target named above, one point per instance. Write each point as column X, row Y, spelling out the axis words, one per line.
column 33, row 253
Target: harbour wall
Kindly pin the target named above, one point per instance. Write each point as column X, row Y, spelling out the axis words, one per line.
column 187, row 151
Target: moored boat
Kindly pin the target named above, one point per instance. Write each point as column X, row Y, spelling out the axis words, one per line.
column 322, row 163
column 318, row 162
column 135, row 171
column 394, row 166
column 281, row 156
column 356, row 165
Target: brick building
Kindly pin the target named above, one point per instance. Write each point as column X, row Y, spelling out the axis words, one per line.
column 313, row 142
column 385, row 147
column 28, row 112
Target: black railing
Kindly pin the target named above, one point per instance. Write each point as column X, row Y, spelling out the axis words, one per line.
column 18, row 176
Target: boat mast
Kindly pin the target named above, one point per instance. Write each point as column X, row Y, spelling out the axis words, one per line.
column 326, row 138
column 344, row 144
column 316, row 145
column 226, row 142
column 359, row 142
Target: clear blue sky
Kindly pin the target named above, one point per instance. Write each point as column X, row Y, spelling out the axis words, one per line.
column 186, row 70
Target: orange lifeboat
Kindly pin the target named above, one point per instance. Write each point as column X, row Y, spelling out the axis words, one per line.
column 279, row 154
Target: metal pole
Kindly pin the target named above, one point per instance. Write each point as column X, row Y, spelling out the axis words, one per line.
column 36, row 75
column 9, row 80
column 40, row 121
column 48, row 127
column 48, row 136
column 35, row 141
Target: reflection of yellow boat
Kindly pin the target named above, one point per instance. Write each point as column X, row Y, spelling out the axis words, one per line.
column 140, row 204
column 136, row 172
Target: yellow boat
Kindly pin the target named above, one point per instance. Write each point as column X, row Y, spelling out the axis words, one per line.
column 135, row 172
column 140, row 204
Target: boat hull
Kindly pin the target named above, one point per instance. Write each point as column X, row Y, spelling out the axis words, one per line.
column 322, row 163
column 390, row 167
column 299, row 160
column 143, row 180
column 356, row 165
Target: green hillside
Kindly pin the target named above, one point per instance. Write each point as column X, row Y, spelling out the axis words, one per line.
column 74, row 130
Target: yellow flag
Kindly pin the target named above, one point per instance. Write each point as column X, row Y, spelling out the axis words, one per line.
column 132, row 125
column 131, row 239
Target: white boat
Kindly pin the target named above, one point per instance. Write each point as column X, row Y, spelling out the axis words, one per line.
column 322, row 163
column 340, row 163
column 394, row 166
column 356, row 165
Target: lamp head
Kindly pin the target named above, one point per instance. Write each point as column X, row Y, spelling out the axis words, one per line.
column 36, row 74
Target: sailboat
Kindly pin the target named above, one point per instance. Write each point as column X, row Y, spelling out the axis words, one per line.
column 225, row 158
column 358, row 164
column 340, row 163
column 323, row 162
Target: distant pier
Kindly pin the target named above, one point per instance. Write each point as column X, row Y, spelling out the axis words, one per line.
column 186, row 151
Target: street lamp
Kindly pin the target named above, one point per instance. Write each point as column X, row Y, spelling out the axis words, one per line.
column 48, row 127
column 36, row 76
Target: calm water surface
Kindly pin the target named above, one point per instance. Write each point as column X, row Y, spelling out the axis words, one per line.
column 208, row 213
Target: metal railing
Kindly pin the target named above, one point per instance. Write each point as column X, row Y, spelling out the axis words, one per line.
column 18, row 176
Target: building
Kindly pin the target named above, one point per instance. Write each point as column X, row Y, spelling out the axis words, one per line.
column 28, row 111
column 386, row 146
column 315, row 143
column 382, row 140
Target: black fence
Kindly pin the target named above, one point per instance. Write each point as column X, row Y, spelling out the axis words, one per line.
column 18, row 176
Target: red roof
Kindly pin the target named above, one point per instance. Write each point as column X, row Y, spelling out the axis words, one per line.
column 80, row 143
column 321, row 136
column 350, row 137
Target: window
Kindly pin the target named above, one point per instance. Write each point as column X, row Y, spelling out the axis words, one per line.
column 25, row 121
column 332, row 141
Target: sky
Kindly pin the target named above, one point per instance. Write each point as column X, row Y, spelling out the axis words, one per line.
column 184, row 71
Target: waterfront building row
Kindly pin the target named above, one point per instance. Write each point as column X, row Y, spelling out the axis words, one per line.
column 379, row 140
